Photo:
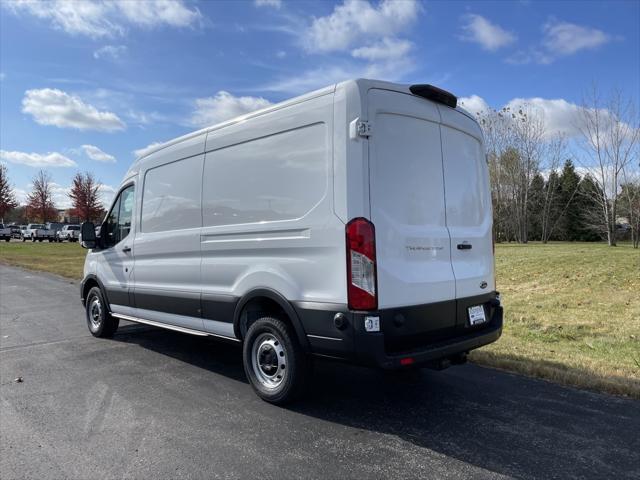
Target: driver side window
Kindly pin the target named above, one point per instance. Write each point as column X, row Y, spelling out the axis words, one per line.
column 117, row 224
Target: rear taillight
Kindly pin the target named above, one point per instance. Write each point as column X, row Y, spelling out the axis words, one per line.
column 361, row 265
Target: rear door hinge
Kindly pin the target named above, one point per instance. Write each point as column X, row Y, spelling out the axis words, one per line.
column 360, row 128
column 363, row 128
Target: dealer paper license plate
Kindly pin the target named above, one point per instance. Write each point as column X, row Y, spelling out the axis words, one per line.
column 476, row 315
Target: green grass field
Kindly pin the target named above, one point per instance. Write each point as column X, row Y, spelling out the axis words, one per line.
column 572, row 310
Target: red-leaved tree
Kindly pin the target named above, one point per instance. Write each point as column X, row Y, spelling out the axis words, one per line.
column 85, row 197
column 7, row 197
column 40, row 206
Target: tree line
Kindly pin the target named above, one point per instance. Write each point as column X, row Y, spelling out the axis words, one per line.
column 547, row 186
column 84, row 194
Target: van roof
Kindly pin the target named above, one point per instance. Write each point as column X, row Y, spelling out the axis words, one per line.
column 362, row 84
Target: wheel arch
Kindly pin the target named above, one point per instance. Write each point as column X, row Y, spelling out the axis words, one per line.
column 88, row 283
column 266, row 300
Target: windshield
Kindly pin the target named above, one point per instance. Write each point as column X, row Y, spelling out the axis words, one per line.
column 37, row 226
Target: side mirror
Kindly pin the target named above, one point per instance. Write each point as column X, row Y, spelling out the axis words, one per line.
column 88, row 235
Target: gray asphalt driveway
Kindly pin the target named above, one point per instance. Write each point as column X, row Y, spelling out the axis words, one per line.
column 156, row 404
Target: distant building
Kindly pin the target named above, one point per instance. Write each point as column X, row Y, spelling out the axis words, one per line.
column 67, row 216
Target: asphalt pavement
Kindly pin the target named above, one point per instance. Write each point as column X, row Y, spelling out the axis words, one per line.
column 155, row 404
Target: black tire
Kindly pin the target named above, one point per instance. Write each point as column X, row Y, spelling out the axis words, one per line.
column 50, row 240
column 24, row 239
column 292, row 365
column 40, row 239
column 100, row 323
column 33, row 238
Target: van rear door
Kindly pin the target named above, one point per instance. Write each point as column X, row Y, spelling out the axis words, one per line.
column 468, row 204
column 407, row 201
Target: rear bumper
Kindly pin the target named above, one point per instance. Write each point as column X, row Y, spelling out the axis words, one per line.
column 371, row 349
column 417, row 335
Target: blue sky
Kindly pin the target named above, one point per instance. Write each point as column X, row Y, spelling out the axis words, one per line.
column 83, row 85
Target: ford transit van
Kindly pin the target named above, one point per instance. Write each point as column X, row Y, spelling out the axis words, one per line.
column 351, row 223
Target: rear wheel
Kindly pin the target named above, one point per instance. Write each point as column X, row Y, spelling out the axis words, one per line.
column 100, row 322
column 274, row 362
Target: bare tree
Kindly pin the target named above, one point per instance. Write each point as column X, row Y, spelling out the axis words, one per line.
column 40, row 201
column 630, row 201
column 529, row 139
column 556, row 152
column 7, row 196
column 85, row 196
column 609, row 131
column 498, row 132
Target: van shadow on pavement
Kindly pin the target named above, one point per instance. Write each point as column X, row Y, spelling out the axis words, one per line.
column 497, row 421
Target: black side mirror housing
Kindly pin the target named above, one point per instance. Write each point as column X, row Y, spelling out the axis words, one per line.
column 88, row 235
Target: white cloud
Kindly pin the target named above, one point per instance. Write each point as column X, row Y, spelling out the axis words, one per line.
column 489, row 36
column 51, row 159
column 54, row 107
column 106, row 192
column 224, row 106
column 141, row 152
column 474, row 104
column 392, row 70
column 386, row 49
column 268, row 3
column 97, row 19
column 560, row 39
column 356, row 20
column 564, row 38
column 560, row 116
column 94, row 153
column 160, row 12
column 113, row 52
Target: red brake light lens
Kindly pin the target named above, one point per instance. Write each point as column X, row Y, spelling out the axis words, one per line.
column 361, row 265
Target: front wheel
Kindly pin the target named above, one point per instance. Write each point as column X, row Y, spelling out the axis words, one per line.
column 274, row 362
column 100, row 322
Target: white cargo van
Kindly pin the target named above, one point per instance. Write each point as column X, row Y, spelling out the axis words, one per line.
column 351, row 223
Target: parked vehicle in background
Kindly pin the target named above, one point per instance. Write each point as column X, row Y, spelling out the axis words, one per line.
column 37, row 231
column 16, row 231
column 5, row 233
column 353, row 223
column 70, row 233
column 54, row 228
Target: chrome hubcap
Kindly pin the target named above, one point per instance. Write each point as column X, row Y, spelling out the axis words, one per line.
column 95, row 312
column 269, row 360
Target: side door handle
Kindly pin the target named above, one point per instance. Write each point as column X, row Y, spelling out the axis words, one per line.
column 126, row 249
column 464, row 246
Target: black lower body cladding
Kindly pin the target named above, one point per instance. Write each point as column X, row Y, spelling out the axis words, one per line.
column 424, row 333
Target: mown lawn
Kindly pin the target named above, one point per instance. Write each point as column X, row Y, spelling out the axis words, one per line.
column 572, row 310
column 66, row 259
column 572, row 315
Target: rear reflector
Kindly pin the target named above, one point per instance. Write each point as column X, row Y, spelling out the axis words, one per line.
column 361, row 265
column 407, row 361
column 435, row 94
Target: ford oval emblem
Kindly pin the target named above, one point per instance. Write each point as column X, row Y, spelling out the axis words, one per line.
column 483, row 284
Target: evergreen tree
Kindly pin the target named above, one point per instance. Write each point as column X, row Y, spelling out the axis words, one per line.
column 536, row 207
column 570, row 224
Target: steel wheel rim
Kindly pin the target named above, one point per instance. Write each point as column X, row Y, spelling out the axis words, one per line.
column 269, row 361
column 95, row 313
